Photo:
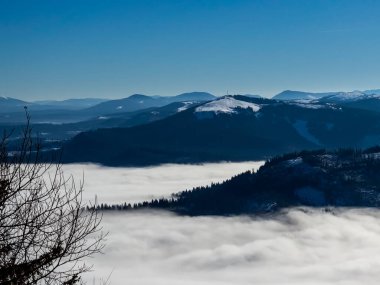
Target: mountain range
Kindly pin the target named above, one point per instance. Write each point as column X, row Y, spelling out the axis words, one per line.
column 229, row 128
column 291, row 95
column 76, row 110
column 139, row 102
column 197, row 127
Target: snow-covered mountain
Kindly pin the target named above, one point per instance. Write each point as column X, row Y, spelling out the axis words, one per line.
column 299, row 95
column 367, row 100
column 332, row 97
column 340, row 97
column 356, row 99
column 227, row 105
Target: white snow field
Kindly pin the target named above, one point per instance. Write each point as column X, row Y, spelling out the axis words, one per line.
column 227, row 105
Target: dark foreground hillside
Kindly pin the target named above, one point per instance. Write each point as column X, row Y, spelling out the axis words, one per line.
column 344, row 178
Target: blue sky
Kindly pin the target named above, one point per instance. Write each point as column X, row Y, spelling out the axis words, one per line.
column 63, row 49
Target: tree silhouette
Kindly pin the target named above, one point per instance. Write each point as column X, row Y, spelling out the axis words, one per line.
column 45, row 230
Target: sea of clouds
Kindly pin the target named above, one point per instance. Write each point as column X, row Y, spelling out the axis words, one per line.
column 136, row 184
column 296, row 246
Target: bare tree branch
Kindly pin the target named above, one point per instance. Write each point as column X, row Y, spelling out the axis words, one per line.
column 46, row 229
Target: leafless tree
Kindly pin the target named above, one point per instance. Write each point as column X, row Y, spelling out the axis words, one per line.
column 45, row 230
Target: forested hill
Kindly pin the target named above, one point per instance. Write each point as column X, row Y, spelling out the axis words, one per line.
column 342, row 178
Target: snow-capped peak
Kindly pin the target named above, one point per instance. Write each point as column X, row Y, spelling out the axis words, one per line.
column 228, row 105
column 345, row 96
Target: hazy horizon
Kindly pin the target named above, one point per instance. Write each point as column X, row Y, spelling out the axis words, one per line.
column 189, row 91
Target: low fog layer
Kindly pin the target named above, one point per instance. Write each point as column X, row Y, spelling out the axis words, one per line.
column 296, row 247
column 118, row 185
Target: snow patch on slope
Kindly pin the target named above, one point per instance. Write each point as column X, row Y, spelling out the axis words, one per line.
column 294, row 162
column 186, row 105
column 227, row 105
column 308, row 104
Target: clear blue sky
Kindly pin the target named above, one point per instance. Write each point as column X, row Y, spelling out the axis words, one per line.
column 60, row 49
